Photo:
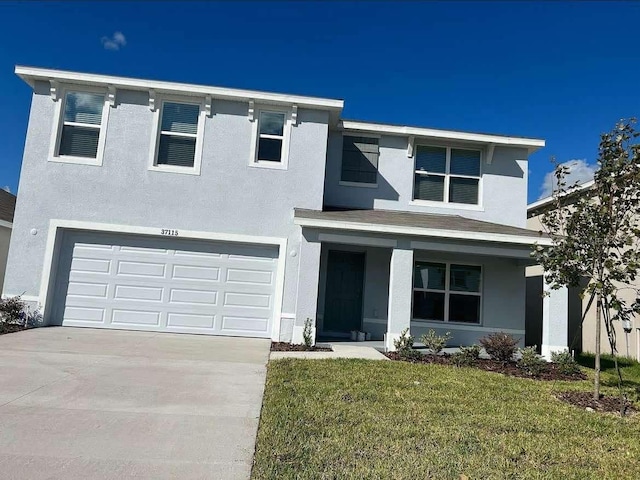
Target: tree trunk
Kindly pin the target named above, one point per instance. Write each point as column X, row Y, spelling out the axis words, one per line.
column 596, row 381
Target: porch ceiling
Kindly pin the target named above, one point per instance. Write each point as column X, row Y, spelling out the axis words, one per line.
column 418, row 224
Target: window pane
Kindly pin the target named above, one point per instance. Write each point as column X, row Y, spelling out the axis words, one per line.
column 180, row 117
column 428, row 305
column 464, row 308
column 270, row 149
column 82, row 107
column 177, row 151
column 271, row 123
column 465, row 162
column 429, row 275
column 79, row 141
column 463, row 190
column 428, row 187
column 431, row 159
column 465, row 278
column 360, row 160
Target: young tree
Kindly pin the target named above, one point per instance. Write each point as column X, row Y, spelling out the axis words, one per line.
column 595, row 237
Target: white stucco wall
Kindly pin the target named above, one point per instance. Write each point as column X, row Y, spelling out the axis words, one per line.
column 228, row 197
column 504, row 183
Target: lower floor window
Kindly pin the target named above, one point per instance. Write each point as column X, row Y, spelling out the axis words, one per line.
column 447, row 292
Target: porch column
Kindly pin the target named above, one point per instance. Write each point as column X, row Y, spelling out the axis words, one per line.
column 400, row 292
column 308, row 277
column 555, row 320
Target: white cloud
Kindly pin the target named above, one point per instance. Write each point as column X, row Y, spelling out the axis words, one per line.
column 579, row 170
column 115, row 42
column 7, row 188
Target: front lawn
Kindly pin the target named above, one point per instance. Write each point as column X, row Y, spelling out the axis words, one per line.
column 377, row 419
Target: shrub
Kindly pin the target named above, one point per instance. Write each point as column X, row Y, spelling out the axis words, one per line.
column 466, row 356
column 404, row 346
column 531, row 362
column 435, row 342
column 12, row 310
column 565, row 362
column 500, row 346
column 307, row 333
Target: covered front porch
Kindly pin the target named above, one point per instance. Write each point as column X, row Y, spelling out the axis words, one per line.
column 381, row 272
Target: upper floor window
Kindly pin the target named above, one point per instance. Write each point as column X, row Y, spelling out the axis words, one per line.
column 271, row 139
column 446, row 174
column 447, row 292
column 359, row 160
column 178, row 143
column 79, row 133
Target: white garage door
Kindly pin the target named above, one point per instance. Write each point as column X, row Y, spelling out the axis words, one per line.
column 166, row 284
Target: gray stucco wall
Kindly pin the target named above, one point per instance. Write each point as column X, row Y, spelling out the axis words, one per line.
column 5, row 236
column 504, row 183
column 228, row 197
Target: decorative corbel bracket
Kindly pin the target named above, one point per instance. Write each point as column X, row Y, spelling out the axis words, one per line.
column 410, row 146
column 252, row 110
column 490, row 149
column 111, row 95
column 152, row 100
column 207, row 105
column 294, row 115
column 54, row 90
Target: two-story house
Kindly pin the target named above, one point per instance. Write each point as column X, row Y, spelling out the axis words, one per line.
column 171, row 207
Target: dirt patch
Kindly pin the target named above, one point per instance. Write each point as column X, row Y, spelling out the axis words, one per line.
column 550, row 371
column 10, row 328
column 605, row 404
column 290, row 347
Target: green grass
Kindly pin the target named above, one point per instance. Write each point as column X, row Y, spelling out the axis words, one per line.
column 394, row 420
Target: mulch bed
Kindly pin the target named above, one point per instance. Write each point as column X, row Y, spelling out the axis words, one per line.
column 606, row 403
column 289, row 347
column 10, row 328
column 512, row 369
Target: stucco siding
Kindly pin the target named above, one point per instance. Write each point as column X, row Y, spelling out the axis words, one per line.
column 228, row 196
column 504, row 183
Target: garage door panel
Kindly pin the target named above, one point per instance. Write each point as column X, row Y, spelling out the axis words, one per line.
column 162, row 284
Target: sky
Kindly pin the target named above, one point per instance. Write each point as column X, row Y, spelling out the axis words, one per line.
column 564, row 72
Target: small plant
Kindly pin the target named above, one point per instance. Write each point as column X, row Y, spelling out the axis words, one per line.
column 500, row 346
column 404, row 346
column 531, row 362
column 307, row 333
column 12, row 310
column 466, row 356
column 565, row 362
column 435, row 342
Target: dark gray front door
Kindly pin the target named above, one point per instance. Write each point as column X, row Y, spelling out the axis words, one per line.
column 343, row 298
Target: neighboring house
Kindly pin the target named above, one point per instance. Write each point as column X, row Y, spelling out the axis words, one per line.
column 7, row 206
column 184, row 208
column 567, row 306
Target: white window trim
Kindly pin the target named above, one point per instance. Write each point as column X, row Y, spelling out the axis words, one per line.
column 447, row 176
column 155, row 136
column 447, row 292
column 283, row 164
column 345, row 183
column 58, row 123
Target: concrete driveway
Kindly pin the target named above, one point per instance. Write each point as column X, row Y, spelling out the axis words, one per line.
column 82, row 403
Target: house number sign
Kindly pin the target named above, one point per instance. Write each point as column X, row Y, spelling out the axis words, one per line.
column 169, row 232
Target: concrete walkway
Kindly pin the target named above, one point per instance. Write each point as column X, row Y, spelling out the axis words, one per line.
column 339, row 351
column 107, row 404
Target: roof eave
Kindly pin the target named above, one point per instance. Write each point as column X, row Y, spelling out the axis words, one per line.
column 31, row 74
column 532, row 144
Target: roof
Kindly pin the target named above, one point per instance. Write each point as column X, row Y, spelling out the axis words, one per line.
column 32, row 74
column 420, row 224
column 543, row 203
column 7, row 206
column 532, row 144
